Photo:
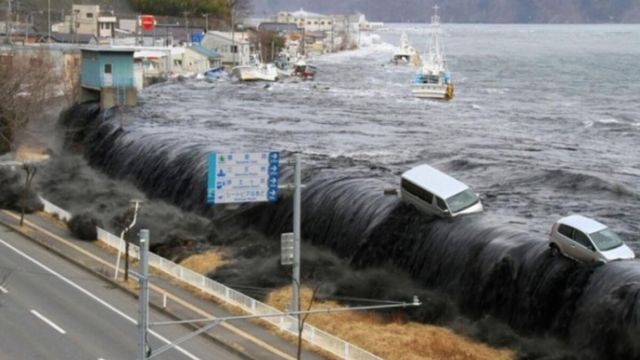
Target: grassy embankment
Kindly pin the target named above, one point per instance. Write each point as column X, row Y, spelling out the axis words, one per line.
column 388, row 339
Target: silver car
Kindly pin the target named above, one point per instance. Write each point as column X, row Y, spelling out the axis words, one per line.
column 586, row 240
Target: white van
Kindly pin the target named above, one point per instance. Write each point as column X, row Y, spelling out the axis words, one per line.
column 437, row 193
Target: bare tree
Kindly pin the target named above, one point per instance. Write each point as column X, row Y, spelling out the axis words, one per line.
column 239, row 9
column 302, row 320
column 27, row 85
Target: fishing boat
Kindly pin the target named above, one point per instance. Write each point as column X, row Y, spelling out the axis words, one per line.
column 304, row 71
column 256, row 70
column 406, row 54
column 433, row 81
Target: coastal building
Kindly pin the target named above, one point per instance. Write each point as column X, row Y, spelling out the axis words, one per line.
column 107, row 75
column 279, row 28
column 198, row 59
column 306, row 20
column 87, row 20
column 232, row 50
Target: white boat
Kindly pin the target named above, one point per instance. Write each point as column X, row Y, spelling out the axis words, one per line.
column 406, row 53
column 256, row 70
column 433, row 81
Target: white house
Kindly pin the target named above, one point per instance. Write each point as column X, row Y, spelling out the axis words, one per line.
column 306, row 20
column 233, row 51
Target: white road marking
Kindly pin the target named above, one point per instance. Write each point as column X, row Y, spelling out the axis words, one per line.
column 49, row 322
column 3, row 290
column 94, row 297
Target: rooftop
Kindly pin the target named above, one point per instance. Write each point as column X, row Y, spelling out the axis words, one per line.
column 210, row 53
column 582, row 223
column 302, row 13
column 239, row 36
column 435, row 181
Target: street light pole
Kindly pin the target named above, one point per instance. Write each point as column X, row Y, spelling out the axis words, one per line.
column 143, row 297
column 295, row 300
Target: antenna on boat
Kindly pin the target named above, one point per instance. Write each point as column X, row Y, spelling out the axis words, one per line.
column 435, row 19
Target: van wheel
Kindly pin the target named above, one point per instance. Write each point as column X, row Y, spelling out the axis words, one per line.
column 554, row 250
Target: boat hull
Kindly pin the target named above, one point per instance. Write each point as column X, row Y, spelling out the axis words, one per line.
column 433, row 91
column 252, row 73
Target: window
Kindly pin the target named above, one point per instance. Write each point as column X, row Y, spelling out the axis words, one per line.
column 107, row 68
column 416, row 190
column 441, row 203
column 565, row 230
column 462, row 200
column 89, row 15
column 606, row 240
column 234, row 48
column 582, row 239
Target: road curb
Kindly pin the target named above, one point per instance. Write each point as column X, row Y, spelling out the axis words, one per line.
column 108, row 279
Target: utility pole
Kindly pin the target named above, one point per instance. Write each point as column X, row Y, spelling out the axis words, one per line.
column 7, row 24
column 295, row 299
column 49, row 21
column 234, row 48
column 206, row 22
column 143, row 297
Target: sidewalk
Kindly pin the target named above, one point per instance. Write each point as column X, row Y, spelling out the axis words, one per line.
column 245, row 337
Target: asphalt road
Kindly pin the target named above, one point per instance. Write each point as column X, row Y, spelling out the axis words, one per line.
column 51, row 309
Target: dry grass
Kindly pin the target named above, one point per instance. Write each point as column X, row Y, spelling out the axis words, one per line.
column 52, row 219
column 389, row 339
column 32, row 152
column 205, row 262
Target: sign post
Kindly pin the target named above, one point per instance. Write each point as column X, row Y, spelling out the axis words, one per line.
column 243, row 177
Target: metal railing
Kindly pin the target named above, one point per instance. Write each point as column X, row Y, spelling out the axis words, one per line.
column 285, row 323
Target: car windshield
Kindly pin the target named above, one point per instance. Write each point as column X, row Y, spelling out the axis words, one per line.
column 462, row 201
column 606, row 240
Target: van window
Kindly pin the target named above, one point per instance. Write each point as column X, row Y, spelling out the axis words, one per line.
column 582, row 239
column 417, row 191
column 566, row 230
column 462, row 200
column 441, row 204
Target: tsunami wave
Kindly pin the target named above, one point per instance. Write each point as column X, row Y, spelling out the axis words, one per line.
column 488, row 267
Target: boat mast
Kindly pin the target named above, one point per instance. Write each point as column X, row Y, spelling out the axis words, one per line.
column 435, row 57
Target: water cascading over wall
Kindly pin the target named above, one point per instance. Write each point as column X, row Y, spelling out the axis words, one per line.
column 489, row 268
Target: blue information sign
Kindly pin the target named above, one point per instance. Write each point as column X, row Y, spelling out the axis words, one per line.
column 243, row 177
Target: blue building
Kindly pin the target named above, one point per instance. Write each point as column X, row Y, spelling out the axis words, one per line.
column 107, row 74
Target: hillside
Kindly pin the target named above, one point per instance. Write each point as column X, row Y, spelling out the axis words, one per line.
column 462, row 11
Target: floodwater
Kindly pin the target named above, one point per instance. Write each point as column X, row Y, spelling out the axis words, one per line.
column 545, row 123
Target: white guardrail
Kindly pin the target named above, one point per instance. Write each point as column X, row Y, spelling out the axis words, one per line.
column 285, row 323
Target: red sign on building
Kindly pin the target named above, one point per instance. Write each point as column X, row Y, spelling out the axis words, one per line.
column 147, row 22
